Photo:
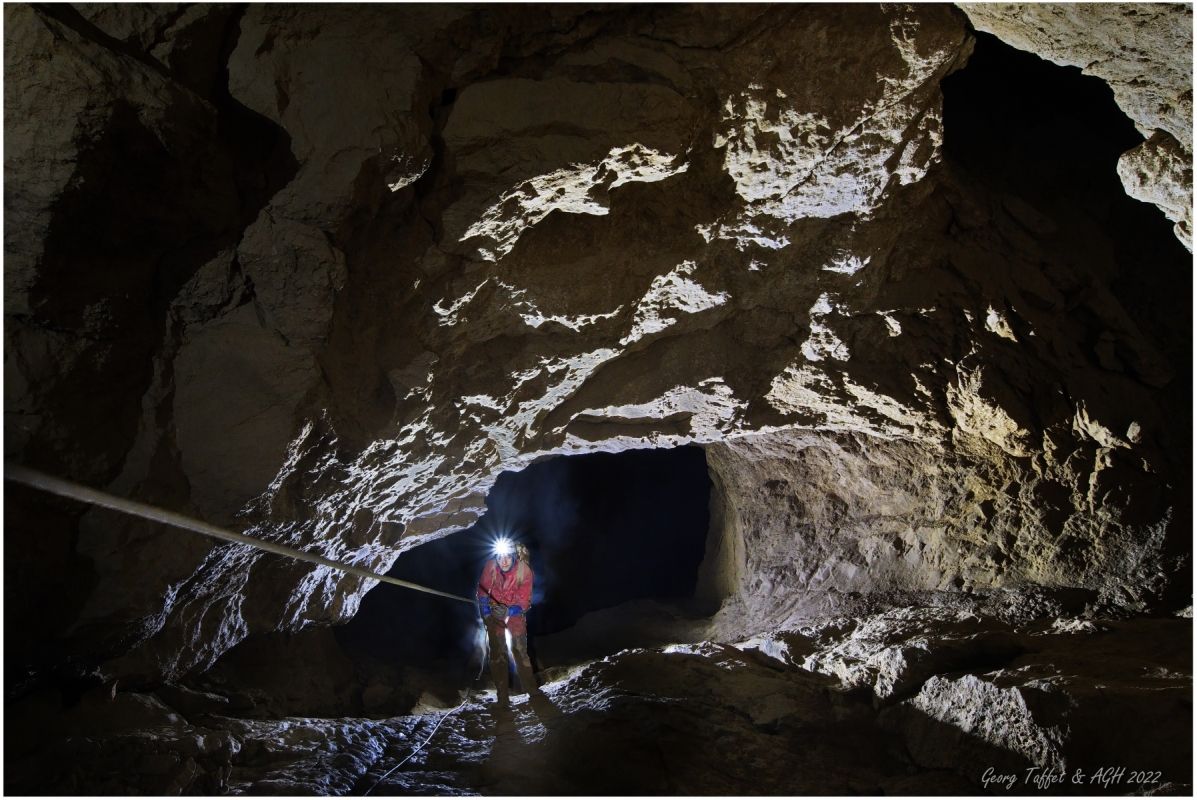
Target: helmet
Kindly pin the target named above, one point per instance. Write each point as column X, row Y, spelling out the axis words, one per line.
column 522, row 553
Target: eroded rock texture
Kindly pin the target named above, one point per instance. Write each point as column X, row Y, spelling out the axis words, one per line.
column 915, row 702
column 324, row 272
column 1145, row 54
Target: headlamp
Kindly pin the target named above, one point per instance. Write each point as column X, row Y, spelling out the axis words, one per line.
column 503, row 546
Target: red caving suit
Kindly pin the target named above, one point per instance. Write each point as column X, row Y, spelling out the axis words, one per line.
column 511, row 588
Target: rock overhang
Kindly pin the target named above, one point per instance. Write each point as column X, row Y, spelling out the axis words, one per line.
column 686, row 248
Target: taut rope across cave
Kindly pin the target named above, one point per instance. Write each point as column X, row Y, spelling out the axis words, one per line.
column 85, row 494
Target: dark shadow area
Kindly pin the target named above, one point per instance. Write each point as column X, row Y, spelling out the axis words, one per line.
column 603, row 529
column 145, row 210
column 1052, row 136
column 1037, row 129
column 1046, row 140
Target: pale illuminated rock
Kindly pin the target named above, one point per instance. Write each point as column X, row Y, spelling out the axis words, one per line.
column 453, row 249
column 1145, row 54
column 579, row 189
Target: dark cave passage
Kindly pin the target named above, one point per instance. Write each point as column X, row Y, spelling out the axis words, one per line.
column 603, row 529
column 1046, row 139
column 1050, row 136
column 813, row 601
column 1008, row 110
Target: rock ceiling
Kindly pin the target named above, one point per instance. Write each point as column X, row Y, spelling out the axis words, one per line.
column 326, row 272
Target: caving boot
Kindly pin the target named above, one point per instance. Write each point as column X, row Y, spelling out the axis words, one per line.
column 527, row 679
column 502, row 693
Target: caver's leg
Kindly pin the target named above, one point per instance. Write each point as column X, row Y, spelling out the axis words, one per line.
column 497, row 634
column 519, row 649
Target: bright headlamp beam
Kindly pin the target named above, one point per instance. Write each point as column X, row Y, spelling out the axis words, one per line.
column 503, row 546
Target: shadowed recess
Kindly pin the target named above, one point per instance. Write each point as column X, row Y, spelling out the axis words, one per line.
column 603, row 529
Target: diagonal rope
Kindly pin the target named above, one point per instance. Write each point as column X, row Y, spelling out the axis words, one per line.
column 84, row 494
column 388, row 773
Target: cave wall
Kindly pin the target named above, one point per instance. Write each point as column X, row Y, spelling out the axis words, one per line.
column 419, row 246
column 1145, row 54
column 844, row 524
column 1035, row 504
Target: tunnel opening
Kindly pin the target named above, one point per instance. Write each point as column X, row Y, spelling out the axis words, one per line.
column 1052, row 136
column 1008, row 110
column 604, row 530
column 1046, row 140
column 883, row 695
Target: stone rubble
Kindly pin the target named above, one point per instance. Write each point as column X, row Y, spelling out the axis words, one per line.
column 322, row 273
column 933, row 697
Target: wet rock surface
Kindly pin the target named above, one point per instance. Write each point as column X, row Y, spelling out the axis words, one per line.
column 917, row 701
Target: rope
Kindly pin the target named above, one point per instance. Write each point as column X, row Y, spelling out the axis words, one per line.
column 444, row 717
column 481, row 667
column 84, row 494
column 482, row 636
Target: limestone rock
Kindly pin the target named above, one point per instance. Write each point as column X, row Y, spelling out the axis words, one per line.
column 122, row 743
column 101, row 238
column 572, row 122
column 296, row 273
column 897, row 652
column 139, row 25
column 265, row 378
column 1145, row 54
column 184, row 40
column 429, row 244
column 301, row 67
column 1009, row 719
column 315, row 679
column 1050, row 706
column 683, row 717
column 569, row 158
column 791, row 519
column 1158, row 172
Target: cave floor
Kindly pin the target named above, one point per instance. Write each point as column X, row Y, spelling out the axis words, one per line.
column 904, row 702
